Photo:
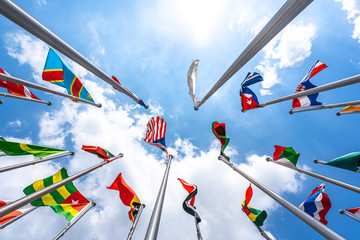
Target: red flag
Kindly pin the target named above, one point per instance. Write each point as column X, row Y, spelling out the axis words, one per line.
column 127, row 196
column 100, row 152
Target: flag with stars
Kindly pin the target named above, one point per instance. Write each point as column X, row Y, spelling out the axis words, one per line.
column 57, row 72
column 248, row 97
column 66, row 200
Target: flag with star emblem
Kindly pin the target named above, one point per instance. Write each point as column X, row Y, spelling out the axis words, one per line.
column 248, row 97
column 57, row 72
column 66, row 200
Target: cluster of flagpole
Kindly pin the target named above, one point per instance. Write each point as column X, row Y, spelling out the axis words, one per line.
column 17, row 15
column 280, row 20
column 45, row 89
column 312, row 222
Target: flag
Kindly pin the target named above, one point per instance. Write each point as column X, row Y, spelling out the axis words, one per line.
column 188, row 204
column 140, row 102
column 305, row 84
column 317, row 204
column 355, row 211
column 66, row 200
column 220, row 133
column 16, row 149
column 191, row 80
column 349, row 161
column 100, row 152
column 14, row 214
column 248, row 97
column 16, row 89
column 155, row 133
column 127, row 196
column 285, row 156
column 353, row 108
column 255, row 215
column 57, row 72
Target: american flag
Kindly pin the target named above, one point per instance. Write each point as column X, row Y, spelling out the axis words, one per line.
column 155, row 134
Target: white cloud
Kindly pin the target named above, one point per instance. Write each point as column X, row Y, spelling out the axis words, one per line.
column 42, row 2
column 16, row 123
column 352, row 8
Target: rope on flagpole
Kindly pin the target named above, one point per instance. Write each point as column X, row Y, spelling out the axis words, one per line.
column 312, row 222
column 25, row 98
column 17, row 15
column 280, row 20
column 38, row 194
column 45, row 89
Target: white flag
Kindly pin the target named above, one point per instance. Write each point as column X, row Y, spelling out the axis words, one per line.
column 191, row 79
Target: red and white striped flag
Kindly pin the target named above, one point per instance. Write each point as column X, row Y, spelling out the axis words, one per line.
column 16, row 89
column 15, row 213
column 155, row 134
column 355, row 211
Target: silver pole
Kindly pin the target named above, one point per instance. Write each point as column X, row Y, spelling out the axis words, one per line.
column 38, row 194
column 25, row 98
column 152, row 230
column 330, row 180
column 198, row 233
column 329, row 106
column 17, row 15
column 323, row 88
column 39, row 160
column 280, row 20
column 312, row 222
column 325, row 163
column 45, row 89
column 132, row 229
column 342, row 113
column 75, row 219
column 344, row 212
column 16, row 218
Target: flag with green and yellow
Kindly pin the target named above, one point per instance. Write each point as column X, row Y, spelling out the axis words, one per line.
column 66, row 200
column 16, row 149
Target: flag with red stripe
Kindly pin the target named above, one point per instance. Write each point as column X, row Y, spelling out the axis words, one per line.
column 188, row 204
column 100, row 152
column 15, row 213
column 155, row 134
column 355, row 211
column 16, row 89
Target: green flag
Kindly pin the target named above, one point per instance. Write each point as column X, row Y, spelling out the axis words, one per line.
column 16, row 149
column 349, row 161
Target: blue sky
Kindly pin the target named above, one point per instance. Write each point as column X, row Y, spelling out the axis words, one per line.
column 149, row 46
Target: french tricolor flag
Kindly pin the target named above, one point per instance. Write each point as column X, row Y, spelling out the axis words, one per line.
column 305, row 84
column 317, row 204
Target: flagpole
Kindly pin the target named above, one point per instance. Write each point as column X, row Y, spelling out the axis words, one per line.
column 152, row 230
column 327, row 179
column 280, row 20
column 198, row 233
column 45, row 89
column 17, row 15
column 75, row 219
column 342, row 113
column 132, row 229
column 25, row 98
column 36, row 161
column 38, row 194
column 16, row 218
column 323, row 88
column 312, row 222
column 329, row 106
column 344, row 212
column 260, row 230
column 325, row 163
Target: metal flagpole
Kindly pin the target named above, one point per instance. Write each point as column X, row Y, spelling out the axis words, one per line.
column 39, row 160
column 75, row 219
column 2, row 226
column 38, row 194
column 17, row 15
column 198, row 233
column 152, row 230
column 323, row 162
column 132, row 229
column 342, row 113
column 25, row 98
column 312, row 222
column 344, row 212
column 283, row 17
column 330, row 180
column 45, row 89
column 323, row 88
column 329, row 106
column 260, row 230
